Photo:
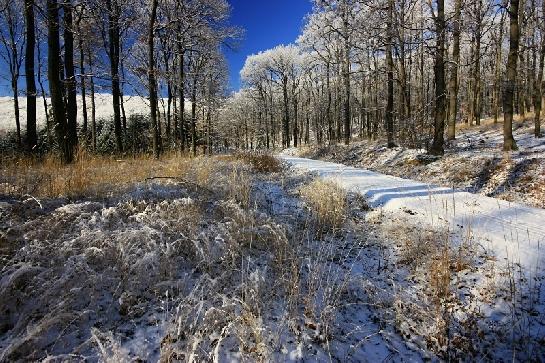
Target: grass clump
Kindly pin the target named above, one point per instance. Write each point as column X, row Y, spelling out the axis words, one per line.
column 261, row 162
column 328, row 202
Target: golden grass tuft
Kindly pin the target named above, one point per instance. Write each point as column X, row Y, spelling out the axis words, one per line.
column 261, row 162
column 328, row 201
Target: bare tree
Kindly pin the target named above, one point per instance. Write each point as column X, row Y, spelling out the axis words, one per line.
column 70, row 78
column 454, row 69
column 437, row 147
column 509, row 142
column 152, row 82
column 32, row 137
column 56, row 88
column 12, row 39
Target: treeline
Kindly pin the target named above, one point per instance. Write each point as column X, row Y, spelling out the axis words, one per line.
column 169, row 51
column 407, row 70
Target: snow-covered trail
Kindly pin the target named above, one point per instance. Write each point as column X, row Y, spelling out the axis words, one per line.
column 512, row 232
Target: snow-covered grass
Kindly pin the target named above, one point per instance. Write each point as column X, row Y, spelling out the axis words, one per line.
column 219, row 259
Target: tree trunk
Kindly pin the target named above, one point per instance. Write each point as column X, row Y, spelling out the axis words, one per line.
column 497, row 71
column 538, row 87
column 390, row 76
column 152, row 82
column 286, row 134
column 83, row 86
column 476, row 106
column 437, row 147
column 55, row 83
column 295, row 121
column 328, row 110
column 181, row 95
column 453, row 81
column 32, row 136
column 346, row 81
column 70, row 79
column 114, row 48
column 93, row 103
column 194, row 116
column 509, row 142
column 44, row 99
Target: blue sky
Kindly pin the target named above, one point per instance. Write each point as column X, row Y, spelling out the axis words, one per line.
column 267, row 23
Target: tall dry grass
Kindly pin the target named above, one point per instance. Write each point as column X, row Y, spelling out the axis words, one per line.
column 328, row 202
column 89, row 175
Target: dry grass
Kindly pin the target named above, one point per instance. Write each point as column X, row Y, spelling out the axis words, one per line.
column 260, row 162
column 240, row 186
column 487, row 123
column 328, row 201
column 89, row 175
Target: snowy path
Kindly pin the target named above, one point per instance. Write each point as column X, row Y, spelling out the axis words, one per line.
column 512, row 232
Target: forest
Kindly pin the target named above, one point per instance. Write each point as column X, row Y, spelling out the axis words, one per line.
column 372, row 189
column 409, row 70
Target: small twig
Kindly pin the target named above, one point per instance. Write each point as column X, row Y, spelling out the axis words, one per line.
column 36, row 200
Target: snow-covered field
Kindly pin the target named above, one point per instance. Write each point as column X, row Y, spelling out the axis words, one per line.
column 133, row 105
column 223, row 263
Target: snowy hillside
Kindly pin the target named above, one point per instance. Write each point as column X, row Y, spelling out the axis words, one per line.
column 134, row 105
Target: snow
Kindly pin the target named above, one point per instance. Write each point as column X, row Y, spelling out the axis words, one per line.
column 513, row 232
column 474, row 162
column 164, row 270
column 134, row 105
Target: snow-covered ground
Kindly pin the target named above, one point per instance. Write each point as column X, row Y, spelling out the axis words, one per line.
column 512, row 232
column 474, row 162
column 222, row 263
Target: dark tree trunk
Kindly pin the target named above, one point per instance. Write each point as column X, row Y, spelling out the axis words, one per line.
column 437, row 147
column 286, row 133
column 390, row 71
column 70, row 79
column 476, row 106
column 346, row 83
column 32, row 136
column 55, row 83
column 181, row 96
column 194, row 116
column 114, row 48
column 509, row 142
column 453, row 81
column 93, row 104
column 295, row 122
column 497, row 70
column 83, row 86
column 44, row 99
column 538, row 87
column 152, row 82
